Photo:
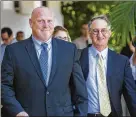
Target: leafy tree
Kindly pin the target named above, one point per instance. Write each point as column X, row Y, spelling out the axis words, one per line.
column 123, row 22
column 122, row 16
column 78, row 12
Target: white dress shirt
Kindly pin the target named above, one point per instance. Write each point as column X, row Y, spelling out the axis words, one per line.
column 133, row 67
column 91, row 83
column 38, row 48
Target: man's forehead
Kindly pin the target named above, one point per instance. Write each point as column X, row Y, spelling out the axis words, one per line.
column 43, row 15
column 85, row 26
column 99, row 23
column 20, row 34
column 38, row 12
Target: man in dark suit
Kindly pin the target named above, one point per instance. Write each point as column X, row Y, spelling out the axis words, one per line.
column 36, row 73
column 108, row 75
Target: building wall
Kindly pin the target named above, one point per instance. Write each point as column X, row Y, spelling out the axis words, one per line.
column 18, row 22
column 13, row 20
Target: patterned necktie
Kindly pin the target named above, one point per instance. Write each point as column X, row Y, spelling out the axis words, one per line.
column 43, row 59
column 104, row 101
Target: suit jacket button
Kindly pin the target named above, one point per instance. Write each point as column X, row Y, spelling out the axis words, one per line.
column 47, row 92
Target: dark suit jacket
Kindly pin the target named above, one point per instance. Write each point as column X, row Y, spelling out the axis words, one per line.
column 23, row 86
column 119, row 80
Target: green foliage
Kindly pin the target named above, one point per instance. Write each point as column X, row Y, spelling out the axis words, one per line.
column 78, row 12
column 123, row 21
column 122, row 17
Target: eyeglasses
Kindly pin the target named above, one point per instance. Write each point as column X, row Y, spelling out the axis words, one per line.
column 103, row 31
column 62, row 38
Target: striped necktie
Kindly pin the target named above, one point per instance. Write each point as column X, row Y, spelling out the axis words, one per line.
column 104, row 101
column 43, row 59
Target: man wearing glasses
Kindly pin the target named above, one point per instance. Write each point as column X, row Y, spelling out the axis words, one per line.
column 108, row 75
column 7, row 38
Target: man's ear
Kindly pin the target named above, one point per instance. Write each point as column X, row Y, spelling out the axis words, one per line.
column 109, row 33
column 90, row 34
column 30, row 23
column 11, row 37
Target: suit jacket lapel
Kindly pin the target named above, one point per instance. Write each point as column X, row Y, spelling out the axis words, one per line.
column 54, row 60
column 33, row 56
column 85, row 62
column 110, row 66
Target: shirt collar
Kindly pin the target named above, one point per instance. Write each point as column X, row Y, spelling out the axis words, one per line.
column 95, row 52
column 3, row 45
column 38, row 43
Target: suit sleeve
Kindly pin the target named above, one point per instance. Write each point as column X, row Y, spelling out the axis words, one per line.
column 129, row 90
column 9, row 101
column 80, row 91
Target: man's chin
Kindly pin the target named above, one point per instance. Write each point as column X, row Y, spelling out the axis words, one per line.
column 46, row 37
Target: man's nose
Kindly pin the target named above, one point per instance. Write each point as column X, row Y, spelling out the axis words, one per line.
column 45, row 23
column 100, row 34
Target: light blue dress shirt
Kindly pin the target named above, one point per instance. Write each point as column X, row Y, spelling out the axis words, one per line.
column 2, row 49
column 91, row 83
column 3, row 46
column 38, row 48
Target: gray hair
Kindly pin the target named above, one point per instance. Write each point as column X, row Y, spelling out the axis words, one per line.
column 103, row 17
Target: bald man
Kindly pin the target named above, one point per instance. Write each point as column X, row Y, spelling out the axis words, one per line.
column 36, row 73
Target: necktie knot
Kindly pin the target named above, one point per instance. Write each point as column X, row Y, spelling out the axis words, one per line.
column 99, row 56
column 44, row 46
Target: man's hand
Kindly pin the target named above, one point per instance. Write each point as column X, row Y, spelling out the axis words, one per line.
column 22, row 114
column 134, row 58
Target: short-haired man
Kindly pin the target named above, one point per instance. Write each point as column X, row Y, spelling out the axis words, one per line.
column 7, row 38
column 20, row 35
column 84, row 40
column 108, row 75
column 35, row 76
